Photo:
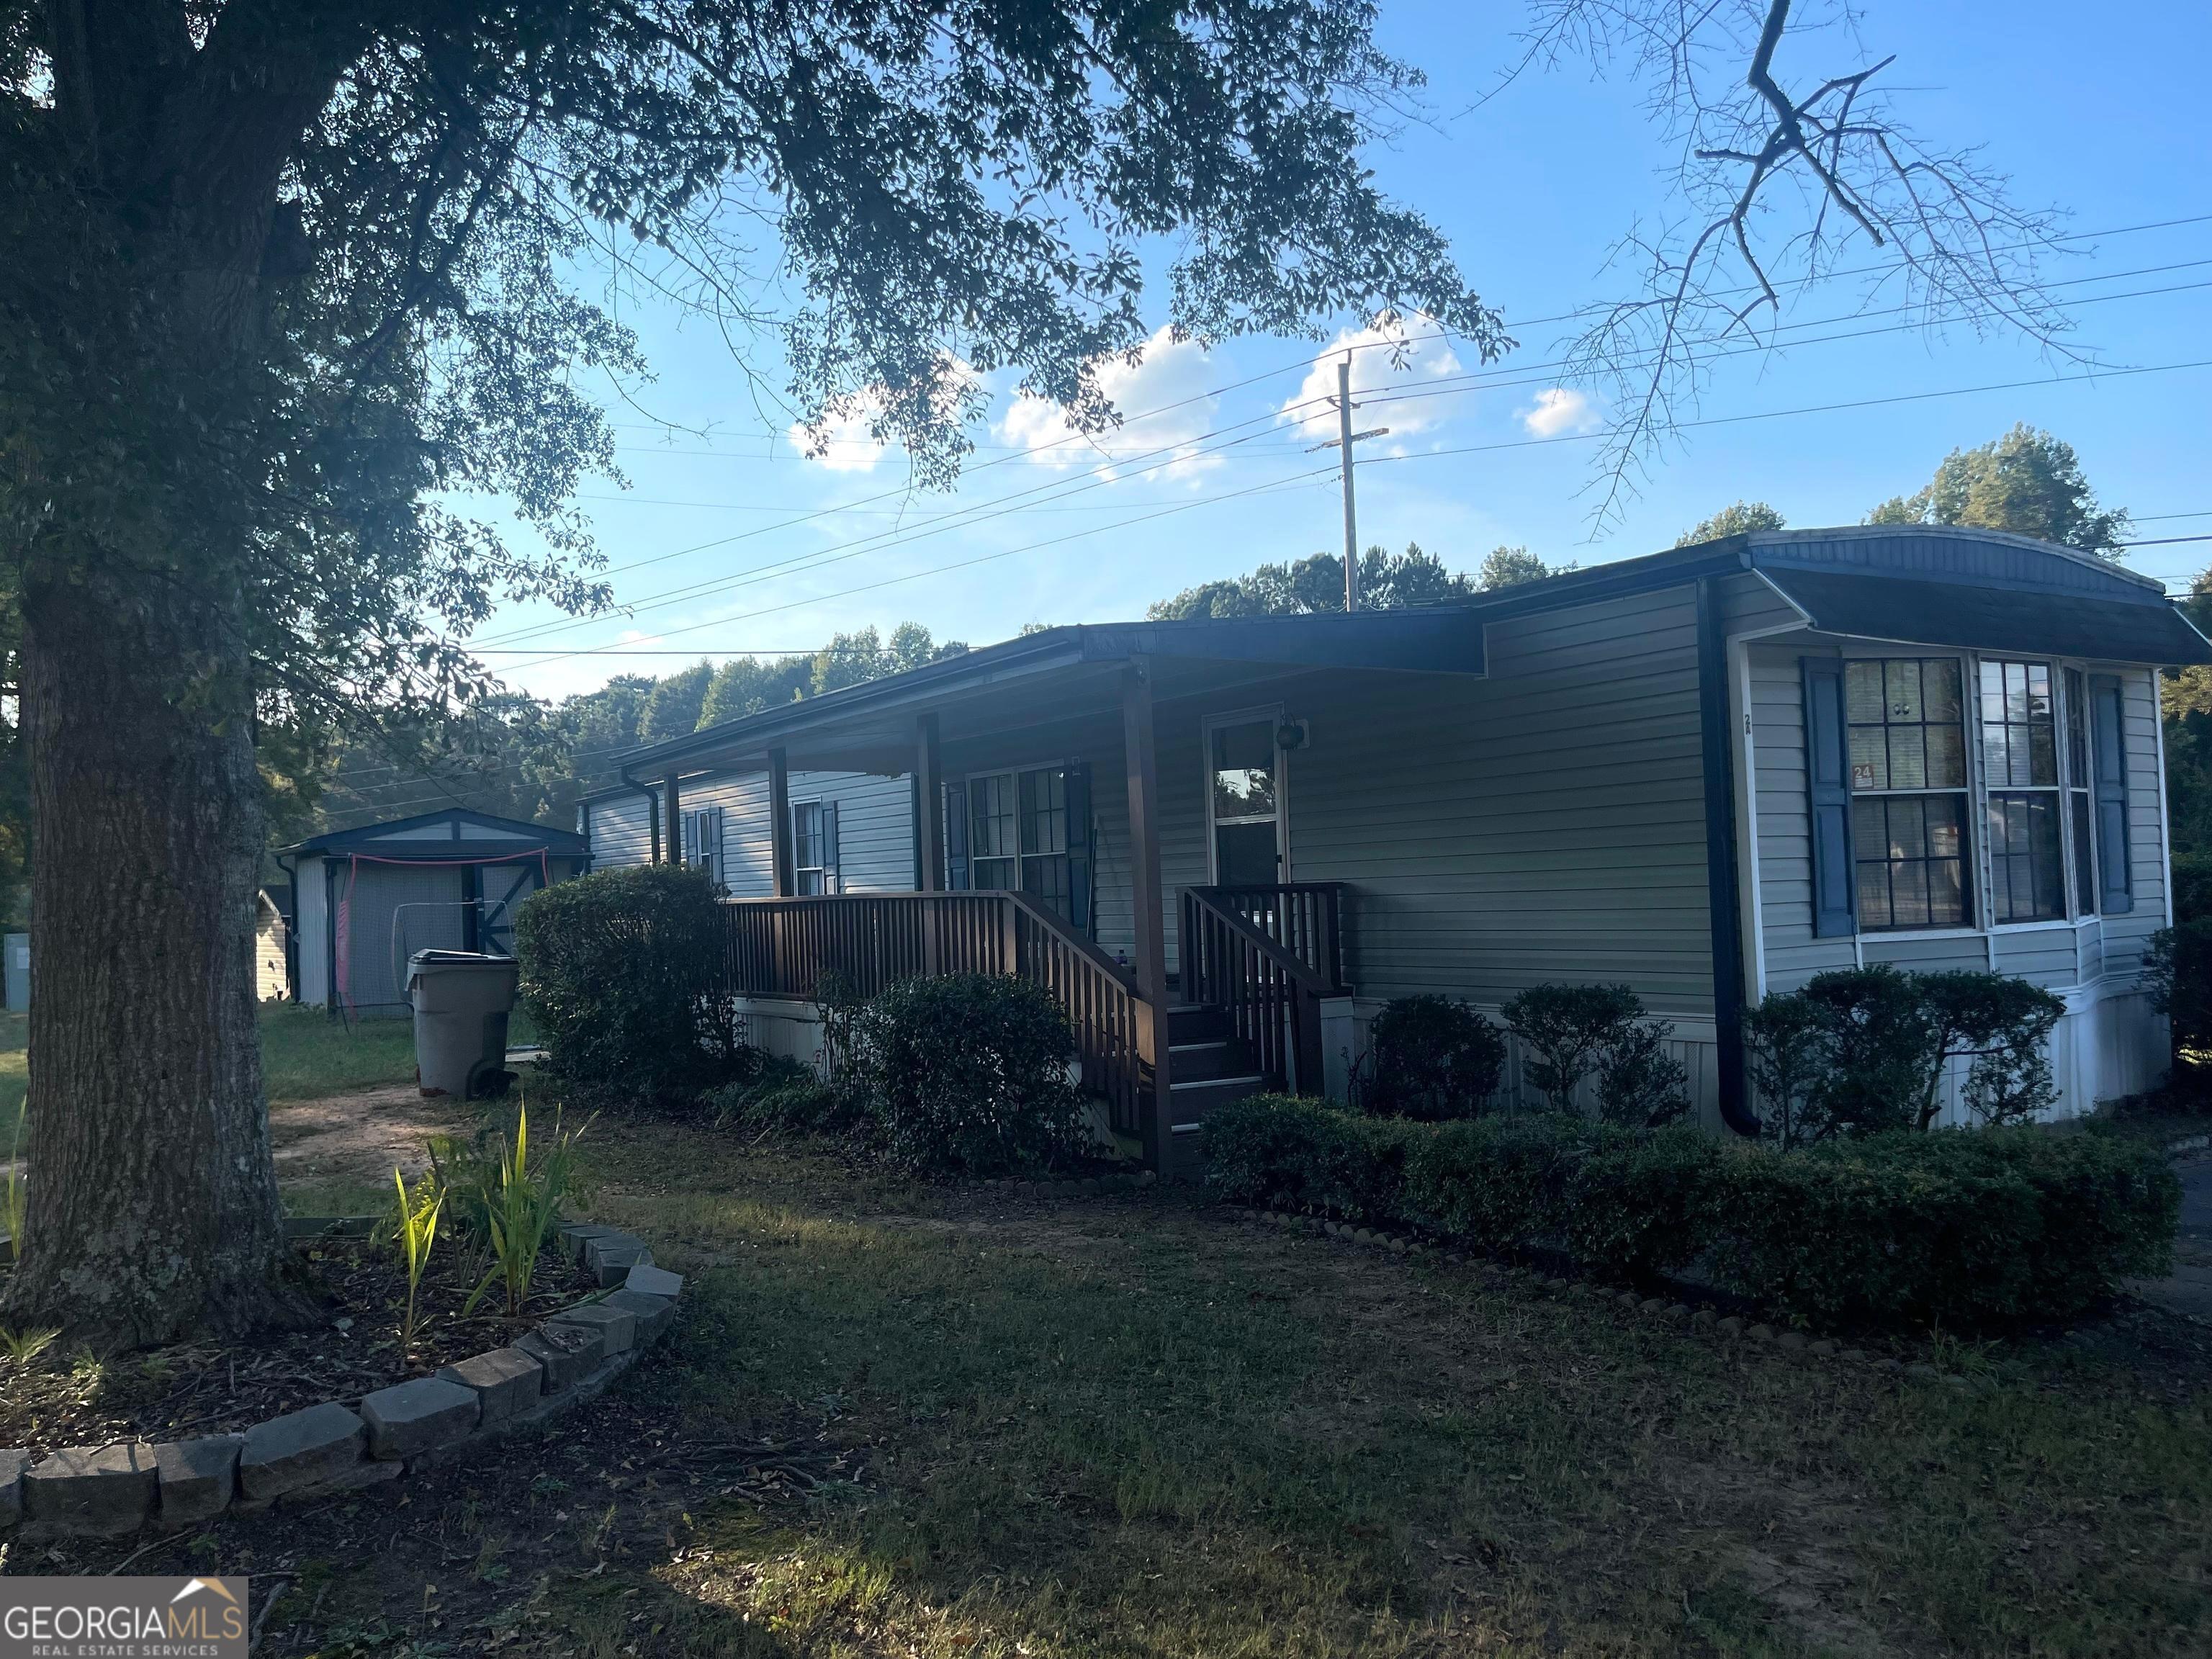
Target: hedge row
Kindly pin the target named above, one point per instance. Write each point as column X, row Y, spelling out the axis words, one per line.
column 1979, row 1228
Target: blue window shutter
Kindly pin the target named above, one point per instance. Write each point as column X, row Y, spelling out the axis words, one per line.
column 830, row 883
column 956, row 836
column 1828, row 781
column 2108, row 748
column 1077, row 776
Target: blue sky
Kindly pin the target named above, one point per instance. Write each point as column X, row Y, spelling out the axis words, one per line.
column 1534, row 188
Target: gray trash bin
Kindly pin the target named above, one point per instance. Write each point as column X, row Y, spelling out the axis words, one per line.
column 461, row 1001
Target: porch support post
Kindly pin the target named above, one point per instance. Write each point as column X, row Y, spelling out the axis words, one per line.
column 671, row 843
column 1156, row 1111
column 778, row 820
column 1724, row 900
column 929, row 805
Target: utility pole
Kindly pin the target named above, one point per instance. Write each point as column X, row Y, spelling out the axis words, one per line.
column 1346, row 437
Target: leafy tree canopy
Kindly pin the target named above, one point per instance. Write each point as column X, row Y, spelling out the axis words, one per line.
column 2027, row 482
column 1732, row 521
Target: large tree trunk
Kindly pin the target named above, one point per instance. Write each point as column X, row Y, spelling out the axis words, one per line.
column 153, row 1209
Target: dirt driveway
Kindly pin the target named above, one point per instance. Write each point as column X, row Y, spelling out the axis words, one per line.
column 355, row 1138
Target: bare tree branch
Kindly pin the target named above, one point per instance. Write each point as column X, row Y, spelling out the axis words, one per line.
column 1771, row 187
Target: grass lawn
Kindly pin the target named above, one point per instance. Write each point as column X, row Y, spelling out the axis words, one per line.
column 897, row 1419
column 900, row 1420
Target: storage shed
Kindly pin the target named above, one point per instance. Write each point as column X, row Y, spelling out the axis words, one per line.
column 365, row 900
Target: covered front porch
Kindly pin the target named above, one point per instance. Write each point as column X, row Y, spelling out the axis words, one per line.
column 1107, row 811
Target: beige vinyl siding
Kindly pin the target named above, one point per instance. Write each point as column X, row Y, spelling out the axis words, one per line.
column 620, row 830
column 2127, row 936
column 1784, row 828
column 1546, row 823
column 875, row 828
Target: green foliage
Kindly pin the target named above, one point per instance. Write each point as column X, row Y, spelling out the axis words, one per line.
column 2027, row 482
column 621, row 974
column 414, row 1230
column 1733, row 520
column 1784, row 1051
column 1574, row 1031
column 1978, row 1228
column 2178, row 974
column 1974, row 1228
column 784, row 1099
column 968, row 1073
column 1431, row 1058
column 520, row 1207
column 23, row 1347
column 1865, row 1050
column 1639, row 1084
column 1315, row 585
column 1510, row 567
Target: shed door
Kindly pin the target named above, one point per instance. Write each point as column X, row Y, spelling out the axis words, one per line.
column 397, row 909
column 504, row 886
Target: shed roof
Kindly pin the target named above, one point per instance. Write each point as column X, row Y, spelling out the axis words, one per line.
column 453, row 832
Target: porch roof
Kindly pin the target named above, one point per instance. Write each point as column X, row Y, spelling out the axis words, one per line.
column 1073, row 670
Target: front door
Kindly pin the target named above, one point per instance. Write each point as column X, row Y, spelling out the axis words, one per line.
column 1244, row 800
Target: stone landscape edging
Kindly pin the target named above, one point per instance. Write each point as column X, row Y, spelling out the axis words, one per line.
column 566, row 1359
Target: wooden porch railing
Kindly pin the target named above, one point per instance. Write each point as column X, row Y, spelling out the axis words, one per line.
column 784, row 947
column 1306, row 918
column 1233, row 962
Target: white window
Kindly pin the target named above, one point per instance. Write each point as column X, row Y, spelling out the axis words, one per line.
column 702, row 841
column 2039, row 802
column 813, row 846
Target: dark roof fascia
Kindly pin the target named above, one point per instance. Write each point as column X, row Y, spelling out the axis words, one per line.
column 347, row 840
column 1992, row 615
column 1775, row 545
column 1433, row 629
column 1050, row 648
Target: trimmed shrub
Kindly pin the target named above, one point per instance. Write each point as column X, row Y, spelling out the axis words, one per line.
column 1865, row 1050
column 1640, row 1205
column 1566, row 1029
column 2178, row 974
column 1977, row 1228
column 1498, row 1182
column 620, row 971
column 1639, row 1084
column 1573, row 1032
column 1430, row 1058
column 1306, row 1155
column 968, row 1074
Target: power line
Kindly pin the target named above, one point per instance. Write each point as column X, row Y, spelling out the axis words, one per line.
column 1465, row 449
column 1008, row 505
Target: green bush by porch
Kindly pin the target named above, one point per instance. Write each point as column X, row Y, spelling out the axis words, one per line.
column 1985, row 1228
column 620, row 973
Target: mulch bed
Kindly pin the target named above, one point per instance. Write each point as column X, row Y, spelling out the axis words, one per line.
column 57, row 1398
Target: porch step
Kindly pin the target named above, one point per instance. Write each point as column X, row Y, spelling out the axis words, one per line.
column 1196, row 1022
column 1202, row 1062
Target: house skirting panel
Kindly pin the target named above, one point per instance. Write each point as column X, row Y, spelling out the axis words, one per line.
column 2104, row 1047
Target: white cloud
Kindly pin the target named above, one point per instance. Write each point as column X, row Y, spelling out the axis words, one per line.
column 1170, row 372
column 842, row 443
column 1383, row 361
column 845, row 440
column 1559, row 409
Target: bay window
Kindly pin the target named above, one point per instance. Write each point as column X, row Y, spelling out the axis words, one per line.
column 1899, row 819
